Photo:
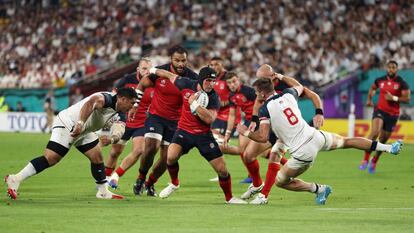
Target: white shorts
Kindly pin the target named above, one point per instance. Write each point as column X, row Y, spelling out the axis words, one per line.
column 305, row 155
column 61, row 135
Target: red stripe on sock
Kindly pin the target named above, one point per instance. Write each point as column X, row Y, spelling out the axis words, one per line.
column 108, row 171
column 225, row 184
column 254, row 171
column 366, row 156
column 375, row 159
column 151, row 180
column 120, row 171
column 142, row 175
column 173, row 170
column 271, row 173
column 283, row 160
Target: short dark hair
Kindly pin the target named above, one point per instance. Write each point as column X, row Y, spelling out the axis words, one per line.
column 264, row 84
column 230, row 75
column 217, row 59
column 127, row 92
column 393, row 62
column 177, row 49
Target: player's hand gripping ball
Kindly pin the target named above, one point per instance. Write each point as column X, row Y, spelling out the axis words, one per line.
column 202, row 100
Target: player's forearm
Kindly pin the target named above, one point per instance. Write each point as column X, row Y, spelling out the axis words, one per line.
column 371, row 94
column 316, row 100
column 230, row 121
column 206, row 115
column 256, row 107
column 405, row 98
column 163, row 73
column 86, row 110
column 258, row 136
column 291, row 82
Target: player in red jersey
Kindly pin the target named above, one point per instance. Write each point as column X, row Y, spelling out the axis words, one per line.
column 276, row 158
column 393, row 91
column 134, row 126
column 194, row 129
column 219, row 126
column 161, row 123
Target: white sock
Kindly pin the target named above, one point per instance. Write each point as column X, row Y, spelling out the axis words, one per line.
column 114, row 176
column 26, row 172
column 317, row 188
column 383, row 147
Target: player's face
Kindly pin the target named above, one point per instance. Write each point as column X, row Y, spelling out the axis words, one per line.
column 208, row 84
column 216, row 65
column 179, row 62
column 233, row 83
column 260, row 96
column 392, row 69
column 143, row 68
column 124, row 104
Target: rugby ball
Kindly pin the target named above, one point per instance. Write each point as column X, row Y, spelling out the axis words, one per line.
column 202, row 99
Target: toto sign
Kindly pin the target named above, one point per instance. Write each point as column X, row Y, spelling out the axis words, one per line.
column 23, row 122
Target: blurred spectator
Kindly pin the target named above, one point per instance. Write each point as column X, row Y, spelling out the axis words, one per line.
column 19, row 107
column 59, row 42
column 76, row 97
column 50, row 108
column 404, row 115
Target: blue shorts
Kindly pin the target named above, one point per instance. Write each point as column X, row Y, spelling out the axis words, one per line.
column 160, row 128
column 205, row 143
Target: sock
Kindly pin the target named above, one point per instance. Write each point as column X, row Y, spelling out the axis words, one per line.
column 108, row 171
column 271, row 173
column 173, row 170
column 98, row 172
column 254, row 171
column 142, row 174
column 151, row 180
column 40, row 163
column 225, row 184
column 283, row 160
column 317, row 188
column 367, row 155
column 376, row 157
column 26, row 172
column 383, row 147
column 119, row 171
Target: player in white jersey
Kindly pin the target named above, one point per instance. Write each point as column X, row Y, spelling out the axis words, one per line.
column 76, row 126
column 281, row 113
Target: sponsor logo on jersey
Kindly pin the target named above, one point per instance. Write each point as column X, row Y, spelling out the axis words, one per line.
column 211, row 145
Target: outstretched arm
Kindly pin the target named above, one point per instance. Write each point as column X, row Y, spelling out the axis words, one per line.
column 317, row 102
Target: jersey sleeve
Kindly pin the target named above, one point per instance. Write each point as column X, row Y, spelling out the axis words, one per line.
column 122, row 117
column 153, row 78
column 250, row 94
column 214, row 102
column 280, row 86
column 375, row 85
column 264, row 116
column 183, row 82
column 291, row 91
column 404, row 85
column 108, row 100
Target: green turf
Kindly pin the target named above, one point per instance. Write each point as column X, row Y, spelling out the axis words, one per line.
column 62, row 199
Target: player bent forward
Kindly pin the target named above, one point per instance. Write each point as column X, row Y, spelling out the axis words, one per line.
column 76, row 126
column 282, row 114
column 194, row 130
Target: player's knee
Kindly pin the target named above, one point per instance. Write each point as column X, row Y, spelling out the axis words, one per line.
column 53, row 159
column 281, row 179
column 248, row 157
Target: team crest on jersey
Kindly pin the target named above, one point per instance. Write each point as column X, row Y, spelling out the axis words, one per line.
column 187, row 95
column 162, row 83
column 395, row 86
column 381, row 85
column 211, row 145
column 221, row 86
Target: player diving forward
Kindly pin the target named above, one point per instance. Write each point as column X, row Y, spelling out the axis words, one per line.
column 281, row 113
column 76, row 126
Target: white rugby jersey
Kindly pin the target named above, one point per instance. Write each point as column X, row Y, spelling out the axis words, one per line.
column 97, row 119
column 285, row 118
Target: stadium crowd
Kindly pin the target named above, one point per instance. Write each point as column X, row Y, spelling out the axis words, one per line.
column 57, row 42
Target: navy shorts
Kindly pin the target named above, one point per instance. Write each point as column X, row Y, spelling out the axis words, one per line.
column 160, row 128
column 389, row 120
column 205, row 143
column 220, row 125
column 133, row 132
column 272, row 137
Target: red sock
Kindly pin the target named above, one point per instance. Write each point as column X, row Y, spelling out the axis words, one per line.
column 151, row 180
column 367, row 154
column 375, row 159
column 120, row 171
column 173, row 170
column 142, row 174
column 254, row 171
column 108, row 171
column 271, row 173
column 283, row 160
column 225, row 184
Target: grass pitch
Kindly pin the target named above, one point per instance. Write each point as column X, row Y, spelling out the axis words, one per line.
column 62, row 199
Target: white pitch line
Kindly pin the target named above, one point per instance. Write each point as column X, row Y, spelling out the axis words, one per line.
column 364, row 209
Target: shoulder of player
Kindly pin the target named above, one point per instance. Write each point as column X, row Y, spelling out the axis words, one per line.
column 164, row 67
column 189, row 73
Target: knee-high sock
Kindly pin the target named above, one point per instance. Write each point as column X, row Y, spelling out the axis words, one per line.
column 173, row 171
column 225, row 184
column 271, row 173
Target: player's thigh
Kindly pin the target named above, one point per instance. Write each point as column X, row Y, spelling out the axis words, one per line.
column 154, row 128
column 174, row 153
column 287, row 173
column 243, row 141
column 219, row 126
column 207, row 146
column 88, row 145
column 254, row 149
